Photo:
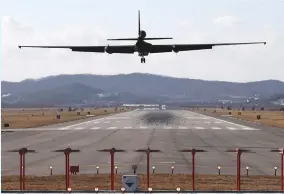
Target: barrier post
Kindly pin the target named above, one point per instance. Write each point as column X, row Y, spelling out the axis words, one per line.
column 147, row 151
column 67, row 152
column 281, row 152
column 112, row 152
column 282, row 166
column 193, row 152
column 22, row 152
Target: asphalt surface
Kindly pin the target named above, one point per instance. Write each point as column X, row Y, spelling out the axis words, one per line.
column 166, row 130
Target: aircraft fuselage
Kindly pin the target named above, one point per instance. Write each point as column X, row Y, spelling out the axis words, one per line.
column 142, row 47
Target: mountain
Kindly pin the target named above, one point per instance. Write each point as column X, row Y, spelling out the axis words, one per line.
column 135, row 87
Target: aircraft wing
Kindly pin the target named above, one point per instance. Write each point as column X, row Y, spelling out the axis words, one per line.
column 96, row 49
column 188, row 47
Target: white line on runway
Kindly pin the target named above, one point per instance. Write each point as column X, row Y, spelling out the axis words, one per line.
column 118, row 118
column 196, row 118
column 167, row 127
column 95, row 128
column 228, row 122
column 182, row 127
column 207, row 122
column 218, row 122
column 80, row 128
column 106, row 122
column 127, row 127
column 96, row 122
column 231, row 128
column 215, row 128
column 199, row 128
column 143, row 127
column 112, row 128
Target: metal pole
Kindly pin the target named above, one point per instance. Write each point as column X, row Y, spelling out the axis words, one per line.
column 282, row 158
column 23, row 155
column 66, row 171
column 112, row 169
column 239, row 170
column 148, row 169
column 193, row 169
column 21, row 170
column 237, row 173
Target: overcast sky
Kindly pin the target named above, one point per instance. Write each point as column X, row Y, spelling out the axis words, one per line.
column 91, row 22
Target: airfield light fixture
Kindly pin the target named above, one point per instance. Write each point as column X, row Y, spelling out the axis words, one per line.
column 150, row 189
column 97, row 167
column 122, row 189
column 178, row 189
column 247, row 167
column 69, row 189
column 153, row 167
column 172, row 167
column 96, row 189
column 50, row 167
column 275, row 168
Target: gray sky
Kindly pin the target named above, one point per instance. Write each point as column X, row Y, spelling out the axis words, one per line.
column 90, row 22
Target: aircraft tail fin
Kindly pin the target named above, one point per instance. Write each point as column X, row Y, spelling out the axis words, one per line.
column 138, row 23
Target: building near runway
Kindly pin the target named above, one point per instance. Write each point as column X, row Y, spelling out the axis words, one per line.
column 146, row 106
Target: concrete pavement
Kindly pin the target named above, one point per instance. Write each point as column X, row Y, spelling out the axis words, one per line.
column 167, row 130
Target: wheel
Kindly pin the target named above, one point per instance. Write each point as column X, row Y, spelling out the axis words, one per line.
column 144, row 60
column 141, row 60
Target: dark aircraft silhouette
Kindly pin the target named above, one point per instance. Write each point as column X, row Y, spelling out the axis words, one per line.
column 142, row 47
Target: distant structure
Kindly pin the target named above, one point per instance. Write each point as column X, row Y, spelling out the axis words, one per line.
column 146, row 106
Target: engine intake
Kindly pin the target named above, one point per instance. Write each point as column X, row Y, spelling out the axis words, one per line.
column 108, row 50
column 175, row 49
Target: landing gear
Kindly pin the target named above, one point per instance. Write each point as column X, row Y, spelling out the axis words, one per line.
column 143, row 60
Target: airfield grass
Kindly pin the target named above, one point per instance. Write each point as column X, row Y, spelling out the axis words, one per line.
column 269, row 118
column 31, row 118
column 157, row 182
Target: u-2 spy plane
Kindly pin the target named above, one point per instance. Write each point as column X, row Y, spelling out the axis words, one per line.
column 142, row 47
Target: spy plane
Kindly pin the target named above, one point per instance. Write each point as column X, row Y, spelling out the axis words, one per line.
column 142, row 47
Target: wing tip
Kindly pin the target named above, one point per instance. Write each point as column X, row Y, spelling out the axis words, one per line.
column 20, row 47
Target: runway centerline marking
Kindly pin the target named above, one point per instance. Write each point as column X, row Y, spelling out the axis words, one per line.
column 199, row 128
column 127, row 127
column 112, row 128
column 95, row 128
column 215, row 128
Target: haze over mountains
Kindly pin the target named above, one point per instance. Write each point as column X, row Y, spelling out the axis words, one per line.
column 86, row 89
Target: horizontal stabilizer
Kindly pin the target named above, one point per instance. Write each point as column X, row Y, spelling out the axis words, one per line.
column 124, row 39
column 157, row 38
column 137, row 38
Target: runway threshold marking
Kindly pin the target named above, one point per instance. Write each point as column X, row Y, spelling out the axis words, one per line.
column 182, row 127
column 95, row 128
column 80, row 128
column 112, row 128
column 199, row 128
column 215, row 128
column 229, row 122
column 127, row 127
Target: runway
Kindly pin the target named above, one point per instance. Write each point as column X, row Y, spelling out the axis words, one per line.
column 166, row 130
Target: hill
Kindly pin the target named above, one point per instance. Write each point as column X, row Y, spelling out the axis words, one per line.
column 135, row 87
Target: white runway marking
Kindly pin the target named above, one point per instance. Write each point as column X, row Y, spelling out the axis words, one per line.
column 143, row 127
column 96, row 122
column 207, row 122
column 167, row 127
column 106, row 122
column 95, row 128
column 218, row 122
column 112, row 128
column 127, row 127
column 199, row 128
column 182, row 127
column 114, row 118
column 80, row 128
column 215, row 128
column 231, row 128
column 196, row 118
